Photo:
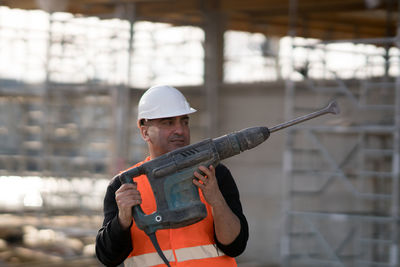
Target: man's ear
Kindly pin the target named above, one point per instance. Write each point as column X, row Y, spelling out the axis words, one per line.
column 144, row 131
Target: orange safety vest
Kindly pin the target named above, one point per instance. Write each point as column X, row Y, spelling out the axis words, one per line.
column 192, row 245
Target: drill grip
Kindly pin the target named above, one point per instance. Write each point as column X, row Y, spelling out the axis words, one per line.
column 143, row 221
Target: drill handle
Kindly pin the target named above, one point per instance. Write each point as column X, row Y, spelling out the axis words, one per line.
column 126, row 177
column 142, row 220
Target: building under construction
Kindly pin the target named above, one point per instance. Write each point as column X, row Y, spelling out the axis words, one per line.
column 321, row 193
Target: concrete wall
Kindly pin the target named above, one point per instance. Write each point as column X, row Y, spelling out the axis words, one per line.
column 258, row 172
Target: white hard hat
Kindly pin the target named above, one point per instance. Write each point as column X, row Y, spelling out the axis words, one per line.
column 163, row 101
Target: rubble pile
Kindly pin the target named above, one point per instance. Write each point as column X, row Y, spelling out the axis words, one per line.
column 29, row 240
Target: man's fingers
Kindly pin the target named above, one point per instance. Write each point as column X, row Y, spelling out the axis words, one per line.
column 127, row 196
column 212, row 169
column 205, row 170
column 200, row 177
column 125, row 187
column 206, row 174
column 198, row 184
column 128, row 202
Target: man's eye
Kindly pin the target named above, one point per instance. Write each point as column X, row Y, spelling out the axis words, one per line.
column 167, row 122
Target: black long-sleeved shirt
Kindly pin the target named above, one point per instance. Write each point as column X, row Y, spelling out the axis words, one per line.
column 113, row 244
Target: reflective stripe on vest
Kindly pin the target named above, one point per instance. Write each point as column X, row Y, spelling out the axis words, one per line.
column 182, row 254
column 149, row 259
column 199, row 252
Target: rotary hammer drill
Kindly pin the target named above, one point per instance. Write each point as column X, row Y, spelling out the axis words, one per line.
column 170, row 176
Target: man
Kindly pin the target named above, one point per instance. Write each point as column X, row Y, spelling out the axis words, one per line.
column 163, row 120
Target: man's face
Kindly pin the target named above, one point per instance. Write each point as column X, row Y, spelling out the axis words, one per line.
column 166, row 134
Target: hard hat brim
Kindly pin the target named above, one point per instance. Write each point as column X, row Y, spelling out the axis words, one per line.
column 190, row 111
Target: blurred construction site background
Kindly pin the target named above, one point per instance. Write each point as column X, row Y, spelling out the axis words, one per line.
column 323, row 193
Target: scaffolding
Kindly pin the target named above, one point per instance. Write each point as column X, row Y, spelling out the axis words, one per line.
column 342, row 174
column 66, row 103
column 58, row 118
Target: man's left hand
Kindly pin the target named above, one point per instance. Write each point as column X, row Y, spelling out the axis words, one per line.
column 208, row 185
column 226, row 223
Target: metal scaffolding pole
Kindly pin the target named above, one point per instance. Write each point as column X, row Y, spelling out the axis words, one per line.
column 395, row 211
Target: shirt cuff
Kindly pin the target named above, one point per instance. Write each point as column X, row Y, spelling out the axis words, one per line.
column 118, row 231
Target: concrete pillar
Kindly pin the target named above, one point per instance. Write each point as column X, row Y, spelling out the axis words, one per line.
column 121, row 103
column 213, row 63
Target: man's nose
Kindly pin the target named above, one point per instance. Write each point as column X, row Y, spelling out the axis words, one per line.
column 179, row 128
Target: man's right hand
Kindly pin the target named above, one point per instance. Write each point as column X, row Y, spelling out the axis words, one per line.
column 126, row 197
